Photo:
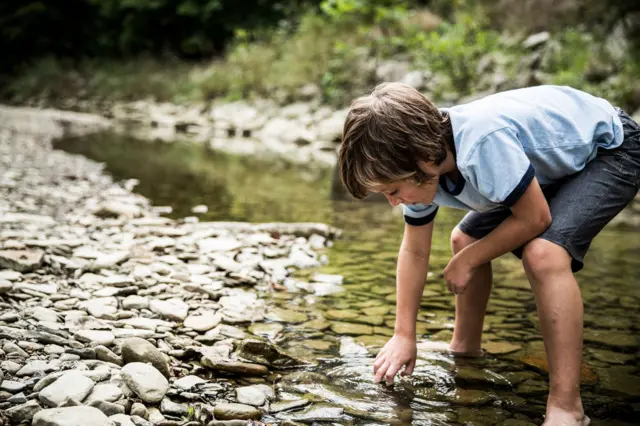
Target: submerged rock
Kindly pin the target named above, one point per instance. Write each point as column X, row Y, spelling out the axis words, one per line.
column 267, row 354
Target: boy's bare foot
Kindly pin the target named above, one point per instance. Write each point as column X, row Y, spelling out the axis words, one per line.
column 559, row 417
column 431, row 346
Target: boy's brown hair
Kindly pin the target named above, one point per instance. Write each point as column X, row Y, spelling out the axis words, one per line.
column 386, row 134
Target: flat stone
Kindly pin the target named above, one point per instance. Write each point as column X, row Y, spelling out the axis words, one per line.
column 234, row 367
column 34, row 367
column 145, row 381
column 268, row 354
column 105, row 354
column 350, row 329
column 70, row 385
column 48, row 289
column 102, row 307
column 139, row 350
column 203, row 322
column 173, row 309
column 71, row 416
column 21, row 260
column 121, row 420
column 187, row 382
column 169, row 407
column 108, row 408
column 279, row 406
column 500, row 348
column 232, row 411
column 12, row 386
column 104, row 392
column 5, row 286
column 255, row 395
column 99, row 337
column 7, row 274
column 135, row 302
column 316, row 414
column 614, row 339
column 125, row 333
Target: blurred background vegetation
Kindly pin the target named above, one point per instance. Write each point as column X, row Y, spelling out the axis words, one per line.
column 185, row 51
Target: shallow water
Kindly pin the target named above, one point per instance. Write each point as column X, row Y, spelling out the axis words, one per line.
column 341, row 327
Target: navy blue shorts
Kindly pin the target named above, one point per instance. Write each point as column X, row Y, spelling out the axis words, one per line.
column 583, row 203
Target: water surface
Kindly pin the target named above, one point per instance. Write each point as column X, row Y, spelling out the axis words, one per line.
column 342, row 331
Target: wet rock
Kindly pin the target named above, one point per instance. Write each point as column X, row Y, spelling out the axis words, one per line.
column 614, row 339
column 620, row 379
column 139, row 350
column 279, row 406
column 470, row 397
column 515, row 422
column 23, row 413
column 350, row 329
column 232, row 411
column 286, row 315
column 145, row 381
column 234, row 367
column 472, row 375
column 70, row 385
column 21, row 260
column 267, row 354
column 611, row 357
column 71, row 416
column 500, row 348
column 315, row 414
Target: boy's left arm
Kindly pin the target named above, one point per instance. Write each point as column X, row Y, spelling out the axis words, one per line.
column 530, row 217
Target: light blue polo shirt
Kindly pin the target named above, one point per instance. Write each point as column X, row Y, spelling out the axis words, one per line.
column 503, row 140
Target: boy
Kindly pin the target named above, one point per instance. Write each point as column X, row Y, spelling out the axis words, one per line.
column 542, row 170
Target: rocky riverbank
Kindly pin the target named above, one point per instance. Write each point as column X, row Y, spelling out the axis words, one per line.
column 114, row 315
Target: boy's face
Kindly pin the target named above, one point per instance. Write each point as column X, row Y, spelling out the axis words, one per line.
column 407, row 192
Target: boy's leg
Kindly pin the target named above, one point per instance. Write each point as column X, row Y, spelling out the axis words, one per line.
column 471, row 306
column 560, row 311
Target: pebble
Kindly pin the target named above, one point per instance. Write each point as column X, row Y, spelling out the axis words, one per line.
column 145, row 381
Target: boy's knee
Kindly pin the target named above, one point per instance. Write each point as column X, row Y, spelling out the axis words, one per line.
column 460, row 240
column 541, row 257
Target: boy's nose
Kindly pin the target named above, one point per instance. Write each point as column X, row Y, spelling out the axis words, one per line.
column 394, row 201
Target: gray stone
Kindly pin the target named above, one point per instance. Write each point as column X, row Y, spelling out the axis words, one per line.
column 235, row 367
column 103, row 307
column 23, row 413
column 121, row 420
column 12, row 386
column 139, row 410
column 108, row 408
column 255, row 395
column 100, row 337
column 10, row 366
column 268, row 354
column 10, row 347
column 537, row 39
column 34, row 367
column 17, row 399
column 232, row 411
column 279, row 406
column 21, row 260
column 145, row 381
column 71, row 416
column 135, row 302
column 316, row 414
column 173, row 309
column 136, row 349
column 187, row 382
column 203, row 322
column 70, row 385
column 105, row 354
column 5, row 286
column 104, row 392
column 46, row 381
column 169, row 407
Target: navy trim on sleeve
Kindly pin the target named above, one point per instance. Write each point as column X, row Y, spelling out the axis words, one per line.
column 420, row 221
column 519, row 190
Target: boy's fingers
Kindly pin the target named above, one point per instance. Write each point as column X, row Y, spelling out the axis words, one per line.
column 391, row 373
column 409, row 368
column 381, row 372
column 378, row 362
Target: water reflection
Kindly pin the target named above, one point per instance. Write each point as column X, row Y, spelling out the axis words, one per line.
column 341, row 326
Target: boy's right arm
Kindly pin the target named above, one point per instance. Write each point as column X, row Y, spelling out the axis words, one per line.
column 413, row 265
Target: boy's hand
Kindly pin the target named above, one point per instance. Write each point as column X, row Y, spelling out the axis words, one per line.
column 458, row 273
column 398, row 352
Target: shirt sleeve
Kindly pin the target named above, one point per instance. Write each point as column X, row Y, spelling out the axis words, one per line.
column 498, row 168
column 419, row 214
